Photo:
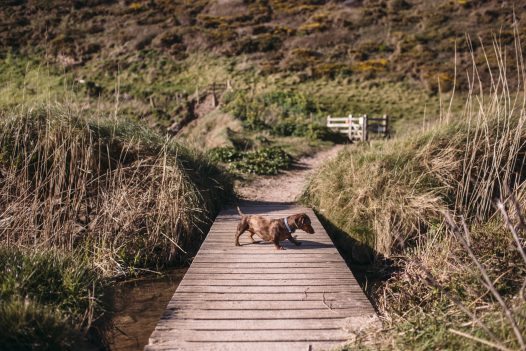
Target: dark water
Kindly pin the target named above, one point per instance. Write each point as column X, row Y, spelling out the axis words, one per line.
column 139, row 305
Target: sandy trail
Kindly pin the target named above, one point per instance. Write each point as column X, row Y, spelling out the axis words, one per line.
column 289, row 185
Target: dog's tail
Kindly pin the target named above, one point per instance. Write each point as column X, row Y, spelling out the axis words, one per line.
column 239, row 211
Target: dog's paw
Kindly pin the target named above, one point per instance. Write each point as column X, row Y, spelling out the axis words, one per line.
column 238, row 244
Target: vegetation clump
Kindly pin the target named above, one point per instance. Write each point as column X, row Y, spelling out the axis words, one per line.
column 443, row 211
column 48, row 299
column 263, row 161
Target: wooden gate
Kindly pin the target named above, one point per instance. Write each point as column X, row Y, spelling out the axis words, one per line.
column 358, row 128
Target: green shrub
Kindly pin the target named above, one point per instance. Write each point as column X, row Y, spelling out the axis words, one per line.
column 225, row 154
column 307, row 130
column 258, row 112
column 264, row 161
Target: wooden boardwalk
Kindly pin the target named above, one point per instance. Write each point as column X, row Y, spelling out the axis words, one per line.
column 254, row 297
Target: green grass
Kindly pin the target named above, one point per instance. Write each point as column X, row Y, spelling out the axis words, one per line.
column 48, row 299
column 29, row 79
column 263, row 161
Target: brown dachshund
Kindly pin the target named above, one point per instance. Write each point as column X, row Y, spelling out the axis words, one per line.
column 274, row 230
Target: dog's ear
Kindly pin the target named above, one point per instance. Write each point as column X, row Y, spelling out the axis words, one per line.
column 298, row 220
column 306, row 219
column 303, row 219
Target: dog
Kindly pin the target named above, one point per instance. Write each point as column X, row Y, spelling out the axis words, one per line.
column 274, row 230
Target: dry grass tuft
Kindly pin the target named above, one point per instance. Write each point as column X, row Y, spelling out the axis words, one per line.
column 114, row 191
column 460, row 269
column 390, row 194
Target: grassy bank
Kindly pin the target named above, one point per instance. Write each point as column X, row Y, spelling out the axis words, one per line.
column 49, row 299
column 426, row 205
column 85, row 199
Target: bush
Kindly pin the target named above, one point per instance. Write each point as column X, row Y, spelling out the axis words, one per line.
column 258, row 112
column 264, row 161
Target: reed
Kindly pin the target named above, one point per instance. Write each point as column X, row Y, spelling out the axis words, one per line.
column 116, row 191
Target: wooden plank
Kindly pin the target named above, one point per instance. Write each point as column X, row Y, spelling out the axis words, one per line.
column 267, row 282
column 256, row 324
column 283, row 297
column 258, row 298
column 272, row 267
column 265, row 305
column 254, row 335
column 252, row 346
column 256, row 314
column 264, row 270
column 264, row 276
column 264, row 289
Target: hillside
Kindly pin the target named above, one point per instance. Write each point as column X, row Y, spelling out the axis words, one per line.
column 340, row 56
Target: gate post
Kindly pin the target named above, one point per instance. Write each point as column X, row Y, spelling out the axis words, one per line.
column 364, row 128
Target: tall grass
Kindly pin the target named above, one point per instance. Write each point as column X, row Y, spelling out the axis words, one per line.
column 118, row 191
column 392, row 193
column 458, row 283
column 85, row 199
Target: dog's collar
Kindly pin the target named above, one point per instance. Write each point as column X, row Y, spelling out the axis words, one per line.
column 287, row 225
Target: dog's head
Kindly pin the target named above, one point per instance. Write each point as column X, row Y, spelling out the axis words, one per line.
column 302, row 222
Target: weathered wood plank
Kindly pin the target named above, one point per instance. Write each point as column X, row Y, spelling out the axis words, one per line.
column 259, row 271
column 257, row 324
column 195, row 275
column 252, row 346
column 258, row 298
column 267, row 282
column 256, row 314
column 265, row 305
column 283, row 297
column 254, row 335
column 200, row 264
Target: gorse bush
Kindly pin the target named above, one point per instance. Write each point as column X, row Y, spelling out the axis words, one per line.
column 264, row 161
column 129, row 197
column 260, row 111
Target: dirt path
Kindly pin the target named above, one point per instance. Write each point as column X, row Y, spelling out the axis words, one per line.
column 289, row 185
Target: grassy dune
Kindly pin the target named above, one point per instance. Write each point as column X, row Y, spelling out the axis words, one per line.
column 453, row 272
column 85, row 199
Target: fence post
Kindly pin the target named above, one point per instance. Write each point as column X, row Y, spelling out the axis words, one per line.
column 349, row 128
column 364, row 128
column 385, row 123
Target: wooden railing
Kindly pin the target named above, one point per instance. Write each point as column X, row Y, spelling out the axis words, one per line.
column 359, row 128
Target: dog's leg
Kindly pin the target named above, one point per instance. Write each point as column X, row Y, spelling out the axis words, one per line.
column 241, row 227
column 276, row 241
column 293, row 240
column 251, row 235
